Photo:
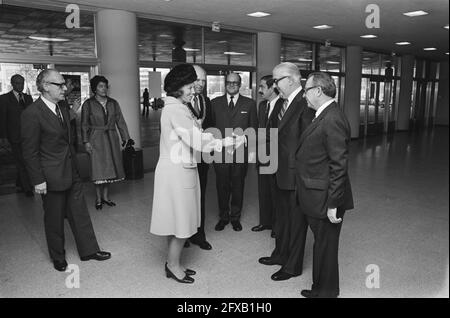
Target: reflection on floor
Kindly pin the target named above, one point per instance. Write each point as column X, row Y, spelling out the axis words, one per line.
column 400, row 225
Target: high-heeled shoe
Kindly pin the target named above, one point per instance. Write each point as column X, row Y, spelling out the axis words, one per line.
column 185, row 280
column 109, row 202
column 98, row 205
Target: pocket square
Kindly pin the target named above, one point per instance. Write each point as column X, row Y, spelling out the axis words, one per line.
column 243, row 112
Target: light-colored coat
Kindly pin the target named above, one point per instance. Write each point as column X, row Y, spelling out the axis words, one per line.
column 101, row 133
column 176, row 198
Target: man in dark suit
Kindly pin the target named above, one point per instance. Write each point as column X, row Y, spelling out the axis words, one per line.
column 293, row 118
column 229, row 112
column 323, row 185
column 267, row 116
column 201, row 107
column 51, row 163
column 13, row 104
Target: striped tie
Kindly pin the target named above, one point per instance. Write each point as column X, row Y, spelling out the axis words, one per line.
column 283, row 109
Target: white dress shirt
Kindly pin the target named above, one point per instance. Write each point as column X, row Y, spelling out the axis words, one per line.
column 50, row 105
column 272, row 105
column 235, row 98
column 292, row 96
column 322, row 108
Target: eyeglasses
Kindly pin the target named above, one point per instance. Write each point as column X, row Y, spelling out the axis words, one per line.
column 308, row 88
column 276, row 80
column 233, row 83
column 60, row 85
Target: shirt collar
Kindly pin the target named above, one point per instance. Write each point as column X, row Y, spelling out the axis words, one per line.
column 294, row 94
column 274, row 101
column 235, row 98
column 49, row 104
column 324, row 105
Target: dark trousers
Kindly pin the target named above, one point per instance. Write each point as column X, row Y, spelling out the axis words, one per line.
column 325, row 256
column 230, row 179
column 267, row 199
column 68, row 204
column 22, row 179
column 290, row 233
column 203, row 176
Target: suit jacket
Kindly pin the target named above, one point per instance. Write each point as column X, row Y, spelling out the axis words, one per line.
column 205, row 111
column 297, row 117
column 322, row 164
column 267, row 123
column 11, row 111
column 243, row 115
column 47, row 147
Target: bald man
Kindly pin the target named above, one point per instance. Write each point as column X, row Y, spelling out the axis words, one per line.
column 292, row 119
column 50, row 159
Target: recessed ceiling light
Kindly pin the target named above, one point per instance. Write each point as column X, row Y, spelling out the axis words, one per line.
column 322, row 27
column 304, row 60
column 258, row 14
column 446, row 27
column 332, row 62
column 369, row 36
column 164, row 36
column 233, row 53
column 187, row 49
column 41, row 38
column 223, row 41
column 446, row 53
column 403, row 43
column 430, row 49
column 415, row 13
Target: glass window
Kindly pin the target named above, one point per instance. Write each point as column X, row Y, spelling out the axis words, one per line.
column 168, row 42
column 370, row 63
column 28, row 31
column 297, row 52
column 26, row 70
column 228, row 48
column 330, row 58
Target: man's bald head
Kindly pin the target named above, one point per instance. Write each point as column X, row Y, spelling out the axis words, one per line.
column 199, row 84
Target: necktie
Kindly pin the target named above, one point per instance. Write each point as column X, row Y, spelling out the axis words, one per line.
column 58, row 113
column 196, row 105
column 283, row 109
column 231, row 104
column 267, row 113
column 21, row 100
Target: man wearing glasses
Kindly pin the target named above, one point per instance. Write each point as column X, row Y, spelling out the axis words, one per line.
column 323, row 184
column 293, row 118
column 232, row 111
column 51, row 163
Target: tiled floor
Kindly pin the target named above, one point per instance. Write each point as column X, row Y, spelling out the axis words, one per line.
column 400, row 224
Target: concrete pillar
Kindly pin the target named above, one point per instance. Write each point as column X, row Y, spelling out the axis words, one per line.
column 442, row 102
column 116, row 43
column 268, row 53
column 352, row 96
column 406, row 83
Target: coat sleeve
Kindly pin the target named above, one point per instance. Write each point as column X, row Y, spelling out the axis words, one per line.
column 337, row 144
column 3, row 114
column 85, row 122
column 121, row 124
column 253, row 118
column 184, row 129
column 31, row 139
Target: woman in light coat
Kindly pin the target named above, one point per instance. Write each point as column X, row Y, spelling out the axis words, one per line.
column 100, row 116
column 176, row 198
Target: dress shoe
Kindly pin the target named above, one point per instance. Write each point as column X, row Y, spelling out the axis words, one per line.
column 260, row 228
column 185, row 280
column 204, row 245
column 280, row 275
column 221, row 225
column 307, row 293
column 98, row 205
column 236, row 225
column 99, row 256
column 60, row 265
column 108, row 202
column 268, row 261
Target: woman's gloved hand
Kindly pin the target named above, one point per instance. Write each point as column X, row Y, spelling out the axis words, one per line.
column 128, row 143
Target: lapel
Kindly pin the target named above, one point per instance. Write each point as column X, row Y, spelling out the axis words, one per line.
column 237, row 106
column 275, row 111
column 13, row 99
column 296, row 103
column 316, row 122
column 66, row 118
column 51, row 117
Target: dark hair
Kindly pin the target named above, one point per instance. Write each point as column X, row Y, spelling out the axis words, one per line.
column 269, row 81
column 179, row 76
column 97, row 79
column 325, row 82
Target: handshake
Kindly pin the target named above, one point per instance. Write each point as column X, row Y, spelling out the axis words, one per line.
column 229, row 143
